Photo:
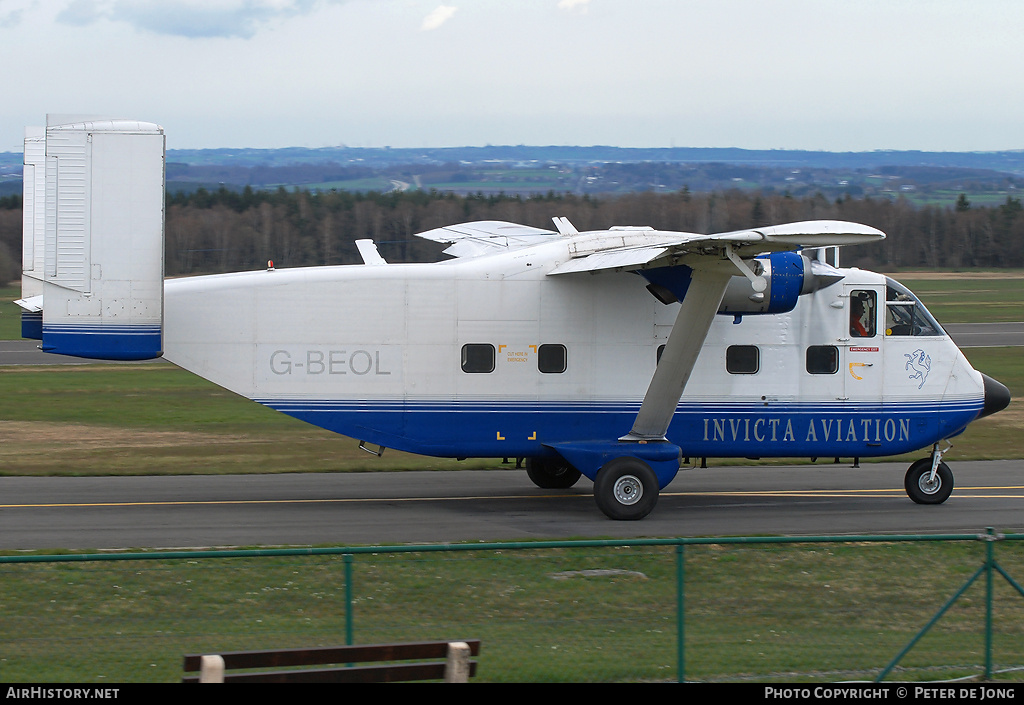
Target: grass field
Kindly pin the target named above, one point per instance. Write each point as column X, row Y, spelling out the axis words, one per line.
column 10, row 314
column 158, row 419
column 766, row 612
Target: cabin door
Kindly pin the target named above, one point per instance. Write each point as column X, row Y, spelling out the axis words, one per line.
column 861, row 354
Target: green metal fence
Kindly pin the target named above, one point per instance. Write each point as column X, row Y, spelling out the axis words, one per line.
column 829, row 608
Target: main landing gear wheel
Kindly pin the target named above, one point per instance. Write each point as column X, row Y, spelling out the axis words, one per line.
column 626, row 489
column 551, row 473
column 922, row 488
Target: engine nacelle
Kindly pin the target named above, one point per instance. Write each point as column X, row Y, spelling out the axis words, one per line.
column 788, row 274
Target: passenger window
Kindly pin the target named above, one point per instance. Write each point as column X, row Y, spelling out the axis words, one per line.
column 551, row 359
column 742, row 359
column 477, row 357
column 862, row 314
column 822, row 359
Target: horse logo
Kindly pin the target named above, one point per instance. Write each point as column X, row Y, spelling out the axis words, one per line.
column 920, row 364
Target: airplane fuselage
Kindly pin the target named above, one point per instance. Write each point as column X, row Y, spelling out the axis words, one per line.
column 491, row 357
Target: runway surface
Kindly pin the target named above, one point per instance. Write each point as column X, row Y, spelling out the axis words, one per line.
column 495, row 505
column 27, row 352
column 979, row 335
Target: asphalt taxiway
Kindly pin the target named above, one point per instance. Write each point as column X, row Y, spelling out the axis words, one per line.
column 490, row 505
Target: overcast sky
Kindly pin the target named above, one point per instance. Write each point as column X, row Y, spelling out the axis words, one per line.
column 836, row 75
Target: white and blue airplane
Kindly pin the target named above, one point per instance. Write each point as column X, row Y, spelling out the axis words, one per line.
column 611, row 354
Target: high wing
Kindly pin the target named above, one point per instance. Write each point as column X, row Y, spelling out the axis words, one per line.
column 624, row 248
column 628, row 248
column 708, row 262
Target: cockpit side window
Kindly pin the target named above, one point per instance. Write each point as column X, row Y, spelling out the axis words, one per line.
column 905, row 315
column 862, row 314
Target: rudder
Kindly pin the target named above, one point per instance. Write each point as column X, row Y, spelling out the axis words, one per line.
column 102, row 240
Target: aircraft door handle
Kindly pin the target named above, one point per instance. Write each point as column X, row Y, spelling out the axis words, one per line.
column 858, row 364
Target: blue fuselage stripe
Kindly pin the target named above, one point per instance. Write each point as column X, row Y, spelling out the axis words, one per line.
column 488, row 429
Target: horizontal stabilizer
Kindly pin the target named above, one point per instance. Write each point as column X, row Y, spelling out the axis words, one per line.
column 33, row 304
column 31, row 316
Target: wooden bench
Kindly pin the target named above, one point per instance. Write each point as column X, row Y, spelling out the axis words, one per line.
column 455, row 668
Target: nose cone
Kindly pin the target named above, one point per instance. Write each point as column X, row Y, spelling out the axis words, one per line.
column 997, row 396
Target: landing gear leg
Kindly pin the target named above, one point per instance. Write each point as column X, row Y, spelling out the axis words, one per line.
column 929, row 480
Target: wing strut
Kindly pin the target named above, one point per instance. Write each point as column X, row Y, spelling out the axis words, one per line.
column 698, row 309
column 757, row 282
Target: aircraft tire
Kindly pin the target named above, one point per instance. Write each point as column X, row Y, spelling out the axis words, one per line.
column 924, row 492
column 551, row 473
column 626, row 489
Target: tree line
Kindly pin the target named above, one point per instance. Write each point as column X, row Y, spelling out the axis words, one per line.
column 226, row 230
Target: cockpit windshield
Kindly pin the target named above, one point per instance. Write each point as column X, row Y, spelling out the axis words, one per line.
column 904, row 314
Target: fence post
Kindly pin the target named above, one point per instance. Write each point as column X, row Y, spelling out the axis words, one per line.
column 211, row 669
column 456, row 669
column 990, row 540
column 348, row 598
column 680, row 614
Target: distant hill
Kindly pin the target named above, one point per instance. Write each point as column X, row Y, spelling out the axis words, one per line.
column 1008, row 161
column 521, row 169
column 1011, row 161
